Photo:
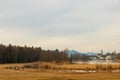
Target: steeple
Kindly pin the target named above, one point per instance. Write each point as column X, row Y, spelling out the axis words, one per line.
column 101, row 52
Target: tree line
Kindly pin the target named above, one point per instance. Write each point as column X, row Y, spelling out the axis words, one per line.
column 18, row 54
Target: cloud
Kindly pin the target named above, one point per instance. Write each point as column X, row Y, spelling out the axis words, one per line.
column 82, row 24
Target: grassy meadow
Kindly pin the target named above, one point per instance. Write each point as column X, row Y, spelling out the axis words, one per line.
column 22, row 75
column 52, row 71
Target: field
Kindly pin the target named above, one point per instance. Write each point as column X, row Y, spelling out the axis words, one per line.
column 10, row 74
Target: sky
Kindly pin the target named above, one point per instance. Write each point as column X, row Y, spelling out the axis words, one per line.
column 82, row 25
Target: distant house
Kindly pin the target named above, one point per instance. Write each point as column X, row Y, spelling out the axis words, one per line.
column 108, row 57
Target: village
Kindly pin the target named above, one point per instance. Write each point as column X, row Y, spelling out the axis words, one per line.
column 100, row 58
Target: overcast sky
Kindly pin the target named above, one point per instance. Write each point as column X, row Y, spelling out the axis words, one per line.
column 83, row 25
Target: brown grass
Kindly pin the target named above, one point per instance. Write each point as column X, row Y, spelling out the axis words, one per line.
column 47, row 74
column 99, row 67
column 6, row 74
column 38, row 66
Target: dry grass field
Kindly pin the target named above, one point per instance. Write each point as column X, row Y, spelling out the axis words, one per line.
column 10, row 74
column 67, row 66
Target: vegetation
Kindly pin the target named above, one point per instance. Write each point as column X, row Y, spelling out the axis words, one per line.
column 42, row 64
column 17, row 54
column 64, row 67
column 29, row 74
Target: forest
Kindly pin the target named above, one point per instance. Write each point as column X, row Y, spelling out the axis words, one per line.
column 18, row 54
column 25, row 54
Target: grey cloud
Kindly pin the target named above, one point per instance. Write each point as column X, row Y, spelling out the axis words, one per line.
column 51, row 18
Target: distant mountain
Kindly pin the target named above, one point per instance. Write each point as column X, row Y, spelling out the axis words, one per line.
column 72, row 52
column 76, row 52
column 91, row 54
column 69, row 52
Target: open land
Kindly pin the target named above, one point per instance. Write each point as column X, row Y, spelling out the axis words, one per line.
column 10, row 74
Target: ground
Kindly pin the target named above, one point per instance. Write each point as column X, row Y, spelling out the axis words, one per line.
column 7, row 74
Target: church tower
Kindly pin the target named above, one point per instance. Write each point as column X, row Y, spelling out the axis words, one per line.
column 101, row 53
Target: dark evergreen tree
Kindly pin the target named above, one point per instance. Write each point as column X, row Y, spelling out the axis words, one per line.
column 17, row 54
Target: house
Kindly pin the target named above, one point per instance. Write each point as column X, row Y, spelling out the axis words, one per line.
column 108, row 57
